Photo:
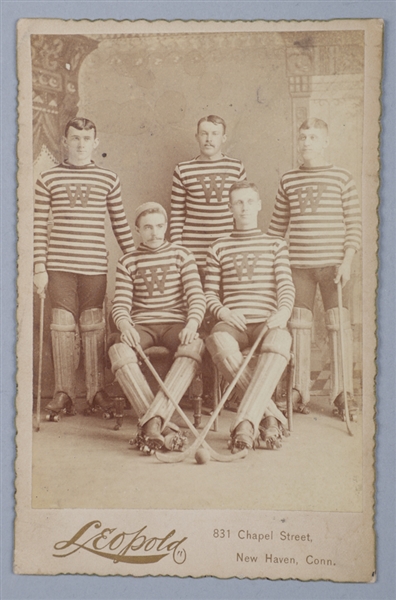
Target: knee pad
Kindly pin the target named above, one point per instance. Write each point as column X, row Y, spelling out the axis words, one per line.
column 277, row 341
column 120, row 355
column 62, row 320
column 220, row 345
column 193, row 350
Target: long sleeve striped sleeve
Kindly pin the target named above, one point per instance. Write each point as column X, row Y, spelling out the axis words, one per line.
column 178, row 208
column 118, row 219
column 42, row 208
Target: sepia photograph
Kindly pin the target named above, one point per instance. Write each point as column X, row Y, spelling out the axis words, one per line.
column 197, row 216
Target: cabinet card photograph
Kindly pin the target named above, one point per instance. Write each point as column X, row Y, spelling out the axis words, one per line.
column 197, row 258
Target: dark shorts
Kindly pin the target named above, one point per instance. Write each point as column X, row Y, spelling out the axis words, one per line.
column 246, row 338
column 306, row 281
column 165, row 334
column 75, row 292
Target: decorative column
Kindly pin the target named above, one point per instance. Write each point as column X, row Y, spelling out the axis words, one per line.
column 56, row 62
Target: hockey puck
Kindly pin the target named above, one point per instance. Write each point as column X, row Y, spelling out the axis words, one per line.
column 202, row 456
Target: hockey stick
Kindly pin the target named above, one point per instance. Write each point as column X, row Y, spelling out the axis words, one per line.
column 171, row 458
column 343, row 365
column 215, row 455
column 40, row 369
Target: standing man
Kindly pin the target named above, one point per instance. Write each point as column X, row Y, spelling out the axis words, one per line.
column 249, row 286
column 199, row 205
column 320, row 205
column 71, row 259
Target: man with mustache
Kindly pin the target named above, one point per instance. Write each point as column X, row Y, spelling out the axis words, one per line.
column 200, row 211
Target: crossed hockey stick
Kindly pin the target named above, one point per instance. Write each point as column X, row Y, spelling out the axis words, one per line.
column 179, row 457
column 200, row 437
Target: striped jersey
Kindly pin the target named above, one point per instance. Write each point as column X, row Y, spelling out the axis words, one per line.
column 199, row 203
column 158, row 286
column 249, row 271
column 78, row 198
column 321, row 206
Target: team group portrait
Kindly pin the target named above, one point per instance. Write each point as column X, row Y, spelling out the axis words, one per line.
column 197, row 270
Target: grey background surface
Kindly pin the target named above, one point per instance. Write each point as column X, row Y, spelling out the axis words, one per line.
column 76, row 587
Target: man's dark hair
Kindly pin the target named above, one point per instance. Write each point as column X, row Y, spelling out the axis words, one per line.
column 212, row 119
column 81, row 124
column 242, row 185
column 313, row 123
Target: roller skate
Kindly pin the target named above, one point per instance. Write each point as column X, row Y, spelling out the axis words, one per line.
column 298, row 405
column 242, row 437
column 60, row 404
column 271, row 432
column 339, row 407
column 149, row 437
column 174, row 439
column 101, row 403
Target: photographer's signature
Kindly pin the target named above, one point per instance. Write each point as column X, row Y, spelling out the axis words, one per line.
column 138, row 547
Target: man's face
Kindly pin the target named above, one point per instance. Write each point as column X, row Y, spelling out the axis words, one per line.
column 210, row 138
column 245, row 204
column 80, row 145
column 312, row 143
column 152, row 229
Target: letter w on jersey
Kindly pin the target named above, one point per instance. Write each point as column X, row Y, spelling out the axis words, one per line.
column 78, row 194
column 213, row 185
column 245, row 262
column 151, row 278
column 311, row 196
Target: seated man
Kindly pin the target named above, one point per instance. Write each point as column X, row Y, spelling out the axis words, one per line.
column 158, row 301
column 249, row 286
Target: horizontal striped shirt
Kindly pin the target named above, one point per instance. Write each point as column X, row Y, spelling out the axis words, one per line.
column 249, row 271
column 199, row 203
column 158, row 286
column 321, row 207
column 78, row 198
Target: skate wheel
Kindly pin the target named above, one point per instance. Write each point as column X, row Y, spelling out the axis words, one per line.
column 55, row 418
column 354, row 418
column 116, row 428
column 48, row 417
column 106, row 415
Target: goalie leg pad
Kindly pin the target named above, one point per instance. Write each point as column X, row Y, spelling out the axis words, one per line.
column 185, row 366
column 300, row 326
column 333, row 328
column 226, row 355
column 93, row 329
column 274, row 356
column 63, row 336
column 124, row 364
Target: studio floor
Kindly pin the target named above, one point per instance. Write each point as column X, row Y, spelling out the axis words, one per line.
column 82, row 462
